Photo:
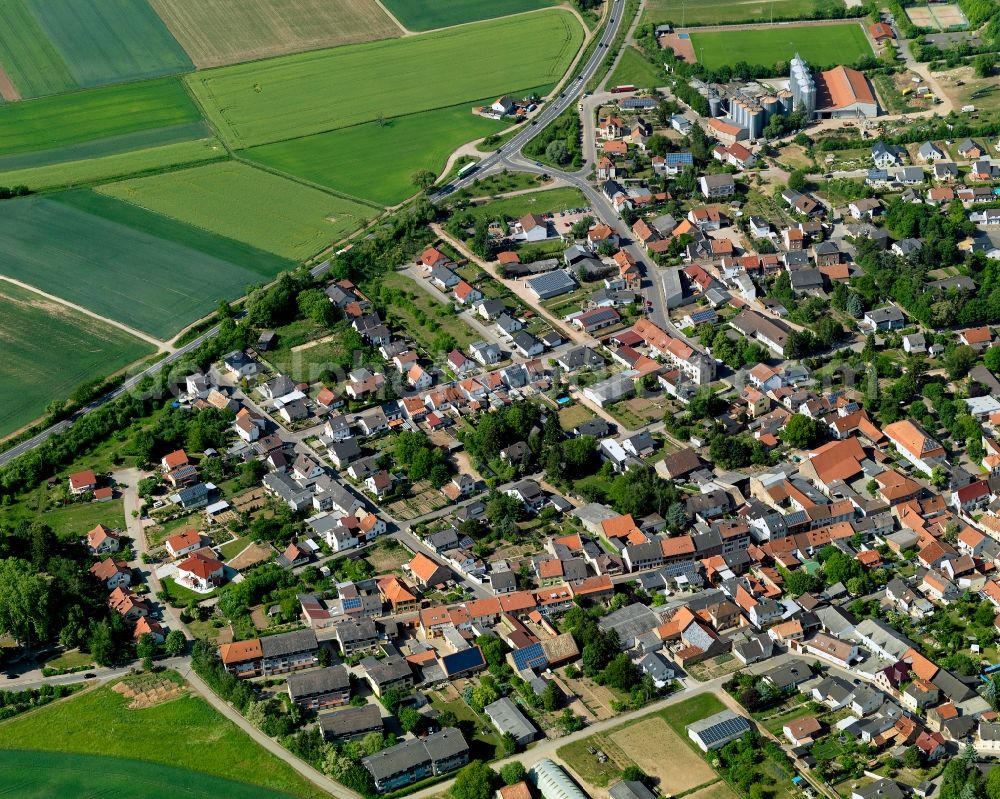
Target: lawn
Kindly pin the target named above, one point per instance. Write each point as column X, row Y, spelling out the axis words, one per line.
column 574, row 415
column 308, row 363
column 107, row 41
column 38, row 127
column 99, row 720
column 429, row 14
column 546, row 201
column 76, row 520
column 231, row 549
column 274, row 100
column 727, row 12
column 114, row 167
column 51, row 775
column 823, row 45
column 633, row 69
column 250, row 205
column 48, row 350
column 119, row 260
column 217, row 32
column 691, row 710
column 341, row 159
column 180, row 596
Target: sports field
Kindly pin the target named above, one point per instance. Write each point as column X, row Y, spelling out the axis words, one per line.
column 48, row 350
column 143, row 269
column 310, row 93
column 429, row 14
column 247, row 204
column 51, row 775
column 107, row 120
column 418, row 141
column 182, row 734
column 728, row 12
column 113, row 167
column 85, row 43
column 820, row 45
column 217, row 32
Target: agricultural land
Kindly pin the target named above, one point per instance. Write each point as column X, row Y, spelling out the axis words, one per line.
column 826, row 45
column 218, row 32
column 431, row 14
column 210, row 743
column 48, row 349
column 83, row 246
column 47, row 47
column 253, row 104
column 249, row 205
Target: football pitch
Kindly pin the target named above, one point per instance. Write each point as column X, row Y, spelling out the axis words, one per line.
column 728, row 12
column 429, row 14
column 820, row 45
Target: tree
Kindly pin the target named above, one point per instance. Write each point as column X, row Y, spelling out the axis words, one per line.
column 620, row 673
column 508, row 744
column 174, row 643
column 855, row 307
column 959, row 361
column 557, row 152
column 513, row 772
column 991, row 358
column 801, row 432
column 101, row 644
column 145, row 647
column 409, row 719
column 570, row 722
column 983, row 64
column 316, row 306
column 798, row 180
column 423, row 179
column 24, row 601
column 868, row 351
column 550, row 696
column 474, row 781
column 911, row 757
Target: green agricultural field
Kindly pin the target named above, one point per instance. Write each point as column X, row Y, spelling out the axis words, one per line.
column 820, row 45
column 27, row 56
column 429, row 14
column 210, row 745
column 217, row 32
column 418, row 141
column 309, row 93
column 728, row 12
column 152, row 273
column 115, row 167
column 633, row 69
column 39, row 127
column 247, row 204
column 51, row 775
column 108, row 41
column 48, row 350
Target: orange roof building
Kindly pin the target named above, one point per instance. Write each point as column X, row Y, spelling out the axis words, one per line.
column 843, row 91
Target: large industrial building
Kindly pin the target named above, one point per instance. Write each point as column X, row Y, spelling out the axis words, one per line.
column 553, row 782
column 834, row 94
column 802, row 86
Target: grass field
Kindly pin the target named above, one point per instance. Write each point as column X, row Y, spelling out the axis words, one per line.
column 419, row 141
column 48, row 350
column 68, row 120
column 536, row 202
column 51, row 775
column 217, row 32
column 635, row 70
column 430, row 14
column 274, row 100
column 27, row 56
column 722, row 12
column 826, row 45
column 152, row 273
column 247, row 204
column 108, row 41
column 423, row 317
column 114, row 167
column 75, row 520
column 99, row 721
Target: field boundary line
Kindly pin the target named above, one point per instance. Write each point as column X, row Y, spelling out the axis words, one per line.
column 303, row 182
column 158, row 343
column 385, row 10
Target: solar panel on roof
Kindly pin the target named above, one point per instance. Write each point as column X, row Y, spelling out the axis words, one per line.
column 530, row 657
column 462, row 661
column 724, row 729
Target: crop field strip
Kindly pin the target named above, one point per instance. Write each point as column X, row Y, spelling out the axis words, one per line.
column 48, row 350
column 430, row 14
column 264, row 102
column 247, row 204
column 219, row 32
column 67, row 120
column 48, row 47
column 418, row 141
column 145, row 270
column 821, row 45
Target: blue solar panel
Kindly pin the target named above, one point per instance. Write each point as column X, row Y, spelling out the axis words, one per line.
column 675, row 159
column 530, row 657
column 465, row 660
column 354, row 602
